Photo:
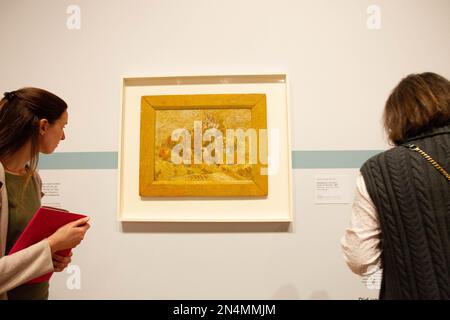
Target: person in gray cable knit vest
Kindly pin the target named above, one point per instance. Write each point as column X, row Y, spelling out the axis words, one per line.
column 401, row 213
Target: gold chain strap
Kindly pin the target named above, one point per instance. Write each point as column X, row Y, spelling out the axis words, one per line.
column 436, row 165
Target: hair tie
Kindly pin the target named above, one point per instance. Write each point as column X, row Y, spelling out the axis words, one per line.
column 9, row 96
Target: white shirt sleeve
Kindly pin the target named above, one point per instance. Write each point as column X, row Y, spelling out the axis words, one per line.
column 361, row 241
column 24, row 265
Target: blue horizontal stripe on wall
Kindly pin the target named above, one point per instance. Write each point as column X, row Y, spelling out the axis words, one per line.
column 300, row 159
column 331, row 159
column 78, row 160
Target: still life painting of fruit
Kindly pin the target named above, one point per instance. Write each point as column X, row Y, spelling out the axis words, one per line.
column 203, row 145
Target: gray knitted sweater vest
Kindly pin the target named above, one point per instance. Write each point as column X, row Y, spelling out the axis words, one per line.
column 413, row 203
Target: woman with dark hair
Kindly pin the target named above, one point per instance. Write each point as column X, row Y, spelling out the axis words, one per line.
column 32, row 120
column 401, row 213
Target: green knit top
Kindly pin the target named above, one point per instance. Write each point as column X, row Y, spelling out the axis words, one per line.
column 23, row 202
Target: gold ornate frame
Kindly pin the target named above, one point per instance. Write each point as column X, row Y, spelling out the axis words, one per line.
column 149, row 187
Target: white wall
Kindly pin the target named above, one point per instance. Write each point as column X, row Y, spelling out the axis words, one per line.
column 340, row 75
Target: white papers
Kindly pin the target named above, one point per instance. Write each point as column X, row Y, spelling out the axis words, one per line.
column 332, row 188
column 51, row 187
column 373, row 281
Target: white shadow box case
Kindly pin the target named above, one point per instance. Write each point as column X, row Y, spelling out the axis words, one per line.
column 276, row 207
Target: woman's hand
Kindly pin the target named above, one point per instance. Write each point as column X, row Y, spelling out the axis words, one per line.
column 69, row 235
column 60, row 262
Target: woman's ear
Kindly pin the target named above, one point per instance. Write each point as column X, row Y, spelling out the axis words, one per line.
column 43, row 126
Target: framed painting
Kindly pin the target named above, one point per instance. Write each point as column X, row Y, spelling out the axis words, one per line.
column 204, row 148
column 203, row 145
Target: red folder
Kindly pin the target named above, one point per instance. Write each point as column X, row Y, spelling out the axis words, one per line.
column 43, row 224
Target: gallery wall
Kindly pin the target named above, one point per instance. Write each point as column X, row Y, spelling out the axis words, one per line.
column 342, row 59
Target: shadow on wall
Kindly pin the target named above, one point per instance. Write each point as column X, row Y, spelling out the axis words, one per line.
column 205, row 227
column 319, row 295
column 289, row 292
